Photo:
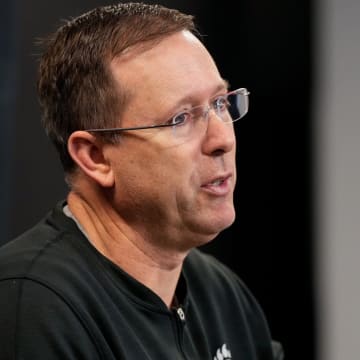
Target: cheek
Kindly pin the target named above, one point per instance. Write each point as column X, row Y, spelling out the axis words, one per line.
column 157, row 166
column 156, row 171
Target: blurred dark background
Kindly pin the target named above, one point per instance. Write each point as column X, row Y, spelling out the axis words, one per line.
column 264, row 46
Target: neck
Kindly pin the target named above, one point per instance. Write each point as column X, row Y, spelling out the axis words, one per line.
column 148, row 262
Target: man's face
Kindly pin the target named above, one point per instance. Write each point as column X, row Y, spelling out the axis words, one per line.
column 178, row 192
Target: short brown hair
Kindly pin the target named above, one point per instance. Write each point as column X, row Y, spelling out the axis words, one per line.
column 75, row 87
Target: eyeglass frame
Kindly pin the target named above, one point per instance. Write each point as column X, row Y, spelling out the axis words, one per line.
column 242, row 91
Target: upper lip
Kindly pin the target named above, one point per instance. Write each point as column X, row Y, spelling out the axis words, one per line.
column 222, row 177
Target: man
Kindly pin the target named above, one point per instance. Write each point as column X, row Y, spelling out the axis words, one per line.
column 143, row 123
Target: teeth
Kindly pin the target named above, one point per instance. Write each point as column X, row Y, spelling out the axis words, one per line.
column 217, row 182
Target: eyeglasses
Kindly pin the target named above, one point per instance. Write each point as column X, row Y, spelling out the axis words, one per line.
column 229, row 108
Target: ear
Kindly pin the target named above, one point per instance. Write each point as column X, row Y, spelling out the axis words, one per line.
column 88, row 153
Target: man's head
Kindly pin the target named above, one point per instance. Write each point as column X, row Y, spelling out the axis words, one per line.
column 76, row 87
column 172, row 185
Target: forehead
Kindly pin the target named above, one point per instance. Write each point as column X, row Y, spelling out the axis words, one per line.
column 178, row 64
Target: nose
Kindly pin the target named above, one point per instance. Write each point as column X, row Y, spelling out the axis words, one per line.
column 220, row 136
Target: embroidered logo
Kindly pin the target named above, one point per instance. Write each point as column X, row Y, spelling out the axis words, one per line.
column 222, row 353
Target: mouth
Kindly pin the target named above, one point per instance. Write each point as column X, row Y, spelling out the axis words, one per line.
column 219, row 186
column 217, row 182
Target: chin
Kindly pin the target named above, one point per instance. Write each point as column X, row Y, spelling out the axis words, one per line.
column 223, row 219
column 213, row 226
column 202, row 234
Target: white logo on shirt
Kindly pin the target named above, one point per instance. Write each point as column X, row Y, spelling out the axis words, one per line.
column 222, row 353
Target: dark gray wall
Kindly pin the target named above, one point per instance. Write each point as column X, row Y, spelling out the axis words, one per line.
column 9, row 45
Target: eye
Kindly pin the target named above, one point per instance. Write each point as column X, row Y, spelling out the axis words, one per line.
column 180, row 119
column 221, row 104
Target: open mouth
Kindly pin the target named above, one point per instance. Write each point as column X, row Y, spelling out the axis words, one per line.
column 217, row 182
column 219, row 186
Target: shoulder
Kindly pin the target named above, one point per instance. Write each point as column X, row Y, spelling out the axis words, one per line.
column 40, row 282
column 51, row 256
column 48, row 244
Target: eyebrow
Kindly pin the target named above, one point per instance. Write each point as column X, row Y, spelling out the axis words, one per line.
column 188, row 98
column 224, row 84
